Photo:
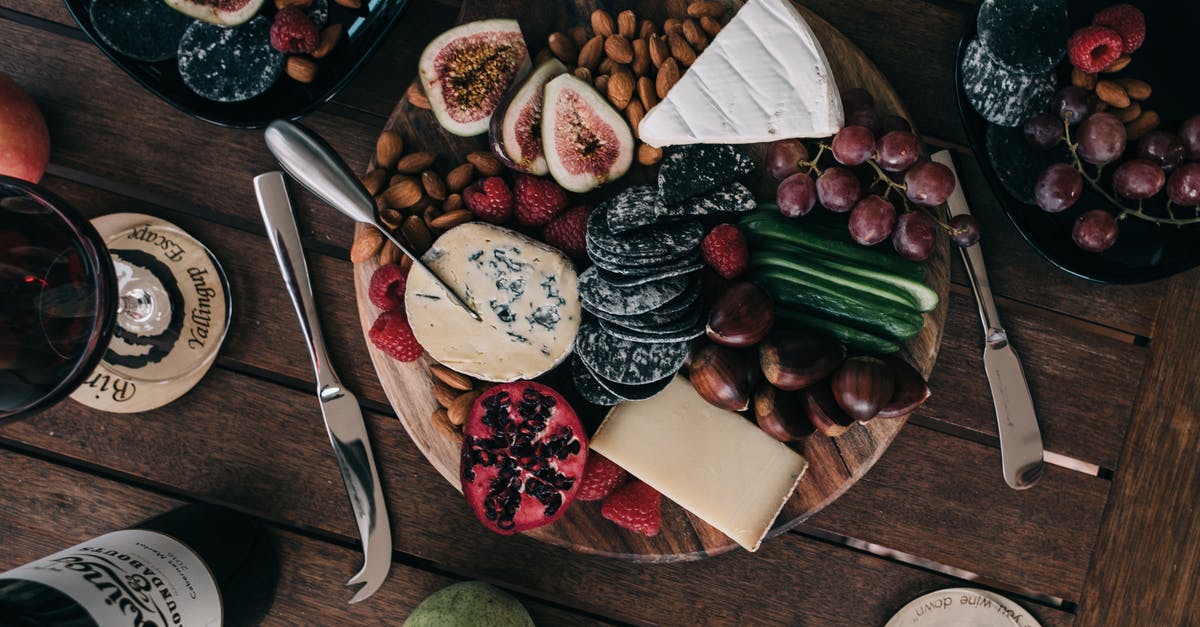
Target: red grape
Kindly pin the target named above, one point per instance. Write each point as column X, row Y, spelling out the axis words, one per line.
column 1162, row 147
column 964, row 230
column 1189, row 132
column 866, row 118
column 784, row 157
column 796, row 195
column 1095, row 231
column 1101, row 138
column 1138, row 179
column 1058, row 188
column 838, row 189
column 1183, row 188
column 853, row 145
column 897, row 151
column 915, row 234
column 893, row 122
column 1070, row 103
column 857, row 99
column 1042, row 131
column 872, row 220
column 929, row 183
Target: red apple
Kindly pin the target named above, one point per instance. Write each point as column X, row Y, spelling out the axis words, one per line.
column 24, row 140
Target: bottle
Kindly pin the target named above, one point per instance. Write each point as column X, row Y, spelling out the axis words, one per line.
column 198, row 565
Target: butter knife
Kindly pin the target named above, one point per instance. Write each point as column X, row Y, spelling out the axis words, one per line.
column 1016, row 420
column 343, row 418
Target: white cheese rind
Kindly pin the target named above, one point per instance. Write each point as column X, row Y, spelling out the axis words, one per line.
column 525, row 291
column 712, row 462
column 764, row 77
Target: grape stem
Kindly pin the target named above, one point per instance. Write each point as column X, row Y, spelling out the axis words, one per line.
column 1094, row 181
column 814, row 170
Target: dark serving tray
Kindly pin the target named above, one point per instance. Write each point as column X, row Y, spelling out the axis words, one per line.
column 1144, row 251
column 364, row 31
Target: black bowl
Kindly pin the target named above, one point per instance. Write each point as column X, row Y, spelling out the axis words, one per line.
column 364, row 31
column 1144, row 251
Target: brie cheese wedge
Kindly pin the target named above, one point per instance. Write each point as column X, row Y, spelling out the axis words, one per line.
column 764, row 77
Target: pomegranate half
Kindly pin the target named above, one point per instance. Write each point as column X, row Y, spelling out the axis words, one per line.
column 523, row 456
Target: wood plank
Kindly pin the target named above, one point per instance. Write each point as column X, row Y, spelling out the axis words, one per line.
column 1147, row 565
column 49, row 507
column 263, row 447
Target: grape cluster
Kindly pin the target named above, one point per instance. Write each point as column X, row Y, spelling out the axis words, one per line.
column 1161, row 160
column 883, row 151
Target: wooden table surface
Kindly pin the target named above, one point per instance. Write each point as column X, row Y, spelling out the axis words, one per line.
column 1110, row 536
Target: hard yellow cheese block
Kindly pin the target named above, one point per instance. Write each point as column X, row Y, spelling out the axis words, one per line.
column 712, row 462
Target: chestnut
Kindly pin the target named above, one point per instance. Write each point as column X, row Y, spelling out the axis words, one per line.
column 910, row 393
column 741, row 316
column 793, row 359
column 862, row 385
column 721, row 376
column 823, row 411
column 781, row 414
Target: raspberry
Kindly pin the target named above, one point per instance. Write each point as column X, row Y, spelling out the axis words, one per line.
column 600, row 478
column 1129, row 23
column 636, row 506
column 724, row 250
column 292, row 32
column 387, row 287
column 538, row 200
column 568, row 232
column 1093, row 48
column 490, row 200
column 392, row 334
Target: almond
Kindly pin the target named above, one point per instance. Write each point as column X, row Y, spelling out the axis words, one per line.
column 681, row 50
column 601, row 83
column 673, row 26
column 1128, row 114
column 1138, row 90
column 620, row 89
column 1118, row 65
column 602, row 23
column 374, row 181
column 460, row 408
column 649, row 155
column 397, row 178
column 579, row 35
column 645, row 29
column 433, row 184
column 658, row 51
column 592, row 53
column 710, row 26
column 452, row 378
column 668, row 75
column 367, row 241
column 405, row 194
column 350, row 4
column 582, row 74
column 1083, row 80
column 417, row 234
column 429, row 214
column 646, row 93
column 330, row 35
column 391, row 254
column 1144, row 123
column 562, row 47
column 414, row 163
column 694, row 34
column 388, row 149
column 417, row 97
column 301, row 69
column 641, row 57
column 453, row 203
column 606, row 66
column 451, row 219
column 441, row 420
column 618, row 49
column 627, row 24
column 634, row 113
column 444, row 394
column 1112, row 93
column 486, row 163
column 706, row 9
column 404, row 260
column 1096, row 105
column 391, row 218
column 460, row 177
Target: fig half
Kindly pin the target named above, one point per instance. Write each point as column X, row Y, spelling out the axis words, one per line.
column 515, row 132
column 467, row 70
column 587, row 142
column 219, row 12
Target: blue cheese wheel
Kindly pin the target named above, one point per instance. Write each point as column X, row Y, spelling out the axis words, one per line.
column 1024, row 35
column 525, row 291
column 1001, row 95
column 229, row 64
column 596, row 294
column 146, row 30
column 696, row 169
column 623, row 361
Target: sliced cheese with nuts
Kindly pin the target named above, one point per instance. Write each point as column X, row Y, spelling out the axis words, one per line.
column 764, row 77
column 712, row 462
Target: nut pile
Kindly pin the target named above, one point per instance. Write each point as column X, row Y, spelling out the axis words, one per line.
column 1120, row 96
column 455, row 393
column 302, row 67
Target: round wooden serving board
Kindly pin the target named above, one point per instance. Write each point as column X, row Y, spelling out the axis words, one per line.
column 835, row 464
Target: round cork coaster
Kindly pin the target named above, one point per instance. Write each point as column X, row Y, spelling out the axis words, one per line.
column 175, row 313
column 956, row 607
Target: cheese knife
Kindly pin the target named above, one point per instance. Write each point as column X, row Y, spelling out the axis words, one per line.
column 310, row 160
column 1016, row 420
column 343, row 418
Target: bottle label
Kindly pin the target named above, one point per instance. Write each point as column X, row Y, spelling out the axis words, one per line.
column 134, row 577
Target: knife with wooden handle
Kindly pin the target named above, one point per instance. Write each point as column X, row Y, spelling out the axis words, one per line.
column 1016, row 420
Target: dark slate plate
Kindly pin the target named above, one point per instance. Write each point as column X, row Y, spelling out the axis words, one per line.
column 1144, row 251
column 366, row 29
